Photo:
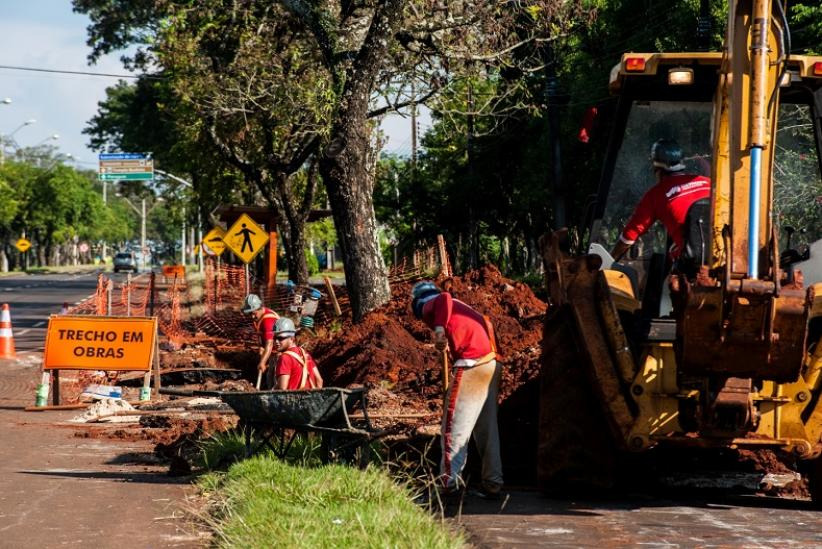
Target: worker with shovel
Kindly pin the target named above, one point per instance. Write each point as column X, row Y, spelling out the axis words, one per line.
column 295, row 368
column 471, row 396
column 264, row 320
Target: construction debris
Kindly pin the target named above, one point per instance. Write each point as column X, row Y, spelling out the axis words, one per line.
column 107, row 409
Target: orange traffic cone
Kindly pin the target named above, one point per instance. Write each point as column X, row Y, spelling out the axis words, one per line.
column 6, row 337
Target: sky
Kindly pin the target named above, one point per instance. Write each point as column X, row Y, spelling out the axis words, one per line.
column 47, row 34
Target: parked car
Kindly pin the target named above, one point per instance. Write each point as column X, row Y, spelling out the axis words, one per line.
column 125, row 261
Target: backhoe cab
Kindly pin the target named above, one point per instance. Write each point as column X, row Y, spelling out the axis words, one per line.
column 726, row 355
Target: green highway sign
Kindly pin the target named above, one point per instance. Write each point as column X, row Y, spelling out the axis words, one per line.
column 126, row 167
column 126, row 176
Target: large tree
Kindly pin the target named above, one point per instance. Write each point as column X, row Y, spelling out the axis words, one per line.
column 377, row 55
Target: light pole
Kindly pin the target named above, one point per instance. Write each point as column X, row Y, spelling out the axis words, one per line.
column 188, row 184
column 142, row 213
column 28, row 122
column 52, row 137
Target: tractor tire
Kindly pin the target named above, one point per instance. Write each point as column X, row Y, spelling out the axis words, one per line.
column 576, row 452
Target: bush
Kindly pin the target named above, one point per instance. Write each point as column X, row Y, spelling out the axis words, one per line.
column 312, row 262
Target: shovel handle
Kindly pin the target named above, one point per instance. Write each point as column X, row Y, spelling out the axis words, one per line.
column 444, row 370
column 259, row 379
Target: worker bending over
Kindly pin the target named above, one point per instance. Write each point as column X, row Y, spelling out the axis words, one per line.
column 295, row 367
column 263, row 319
column 471, row 398
column 667, row 201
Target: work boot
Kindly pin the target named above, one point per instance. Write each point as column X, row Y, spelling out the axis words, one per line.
column 487, row 491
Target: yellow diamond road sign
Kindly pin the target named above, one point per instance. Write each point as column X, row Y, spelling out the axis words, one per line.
column 22, row 245
column 245, row 238
column 213, row 241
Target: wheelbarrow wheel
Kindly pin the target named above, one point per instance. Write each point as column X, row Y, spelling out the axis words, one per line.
column 339, row 448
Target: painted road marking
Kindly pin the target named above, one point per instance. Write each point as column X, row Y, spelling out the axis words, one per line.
column 41, row 323
column 24, row 332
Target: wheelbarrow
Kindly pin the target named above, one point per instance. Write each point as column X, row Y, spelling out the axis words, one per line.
column 282, row 415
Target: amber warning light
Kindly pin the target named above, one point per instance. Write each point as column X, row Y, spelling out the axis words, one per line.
column 635, row 64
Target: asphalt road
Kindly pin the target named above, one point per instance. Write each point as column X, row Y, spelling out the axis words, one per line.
column 32, row 298
column 527, row 519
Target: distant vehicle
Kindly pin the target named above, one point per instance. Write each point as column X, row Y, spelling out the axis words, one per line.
column 125, row 261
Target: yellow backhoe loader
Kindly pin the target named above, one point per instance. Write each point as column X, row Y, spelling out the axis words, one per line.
column 639, row 357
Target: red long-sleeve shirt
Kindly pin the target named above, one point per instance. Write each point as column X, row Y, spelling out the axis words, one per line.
column 464, row 327
column 668, row 201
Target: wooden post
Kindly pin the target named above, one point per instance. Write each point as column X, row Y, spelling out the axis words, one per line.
column 330, row 289
column 128, row 294
column 444, row 267
column 156, row 365
column 55, row 387
column 271, row 270
column 151, row 295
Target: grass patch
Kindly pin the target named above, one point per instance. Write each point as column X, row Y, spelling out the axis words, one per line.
column 264, row 502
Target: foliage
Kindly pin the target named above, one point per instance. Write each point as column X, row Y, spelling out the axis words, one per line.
column 55, row 206
column 312, row 262
column 268, row 502
column 806, row 26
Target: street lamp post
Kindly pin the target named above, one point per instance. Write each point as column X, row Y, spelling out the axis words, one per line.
column 28, row 122
column 142, row 213
column 199, row 224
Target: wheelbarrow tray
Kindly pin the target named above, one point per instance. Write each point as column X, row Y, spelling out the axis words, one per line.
column 310, row 408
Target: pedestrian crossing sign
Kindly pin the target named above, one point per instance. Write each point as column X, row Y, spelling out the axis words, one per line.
column 23, row 245
column 245, row 238
column 213, row 242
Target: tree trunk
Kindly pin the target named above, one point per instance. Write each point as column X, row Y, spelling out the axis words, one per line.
column 349, row 189
column 344, row 168
column 293, row 237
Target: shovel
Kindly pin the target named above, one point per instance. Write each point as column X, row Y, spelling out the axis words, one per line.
column 259, row 379
column 444, row 371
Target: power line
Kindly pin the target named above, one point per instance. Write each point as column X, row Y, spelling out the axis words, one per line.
column 80, row 73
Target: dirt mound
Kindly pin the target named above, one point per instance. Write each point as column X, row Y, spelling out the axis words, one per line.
column 391, row 350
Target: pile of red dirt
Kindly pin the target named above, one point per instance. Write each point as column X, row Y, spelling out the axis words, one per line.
column 390, row 348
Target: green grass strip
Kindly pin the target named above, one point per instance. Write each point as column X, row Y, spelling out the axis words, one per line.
column 264, row 502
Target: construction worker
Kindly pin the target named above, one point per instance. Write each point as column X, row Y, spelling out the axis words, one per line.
column 471, row 397
column 295, row 367
column 264, row 320
column 667, row 201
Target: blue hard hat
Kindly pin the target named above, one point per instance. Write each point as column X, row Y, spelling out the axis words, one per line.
column 667, row 154
column 421, row 294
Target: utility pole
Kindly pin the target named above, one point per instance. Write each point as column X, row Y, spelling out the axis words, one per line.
column 703, row 26
column 413, row 131
column 143, row 236
column 183, row 241
column 105, row 204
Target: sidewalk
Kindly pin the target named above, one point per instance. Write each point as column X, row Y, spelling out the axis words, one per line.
column 57, row 489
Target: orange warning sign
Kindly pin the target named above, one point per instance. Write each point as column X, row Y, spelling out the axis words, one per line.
column 100, row 343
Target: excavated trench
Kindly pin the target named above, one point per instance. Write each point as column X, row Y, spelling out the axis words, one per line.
column 392, row 354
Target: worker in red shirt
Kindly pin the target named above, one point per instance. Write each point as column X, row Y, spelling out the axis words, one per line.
column 667, row 201
column 263, row 319
column 471, row 397
column 295, row 367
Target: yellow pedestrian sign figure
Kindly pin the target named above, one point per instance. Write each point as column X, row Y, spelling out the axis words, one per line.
column 245, row 238
column 213, row 242
column 22, row 244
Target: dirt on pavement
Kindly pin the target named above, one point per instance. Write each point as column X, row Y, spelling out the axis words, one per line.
column 58, row 490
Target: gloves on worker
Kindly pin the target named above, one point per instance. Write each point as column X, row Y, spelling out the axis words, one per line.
column 440, row 341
